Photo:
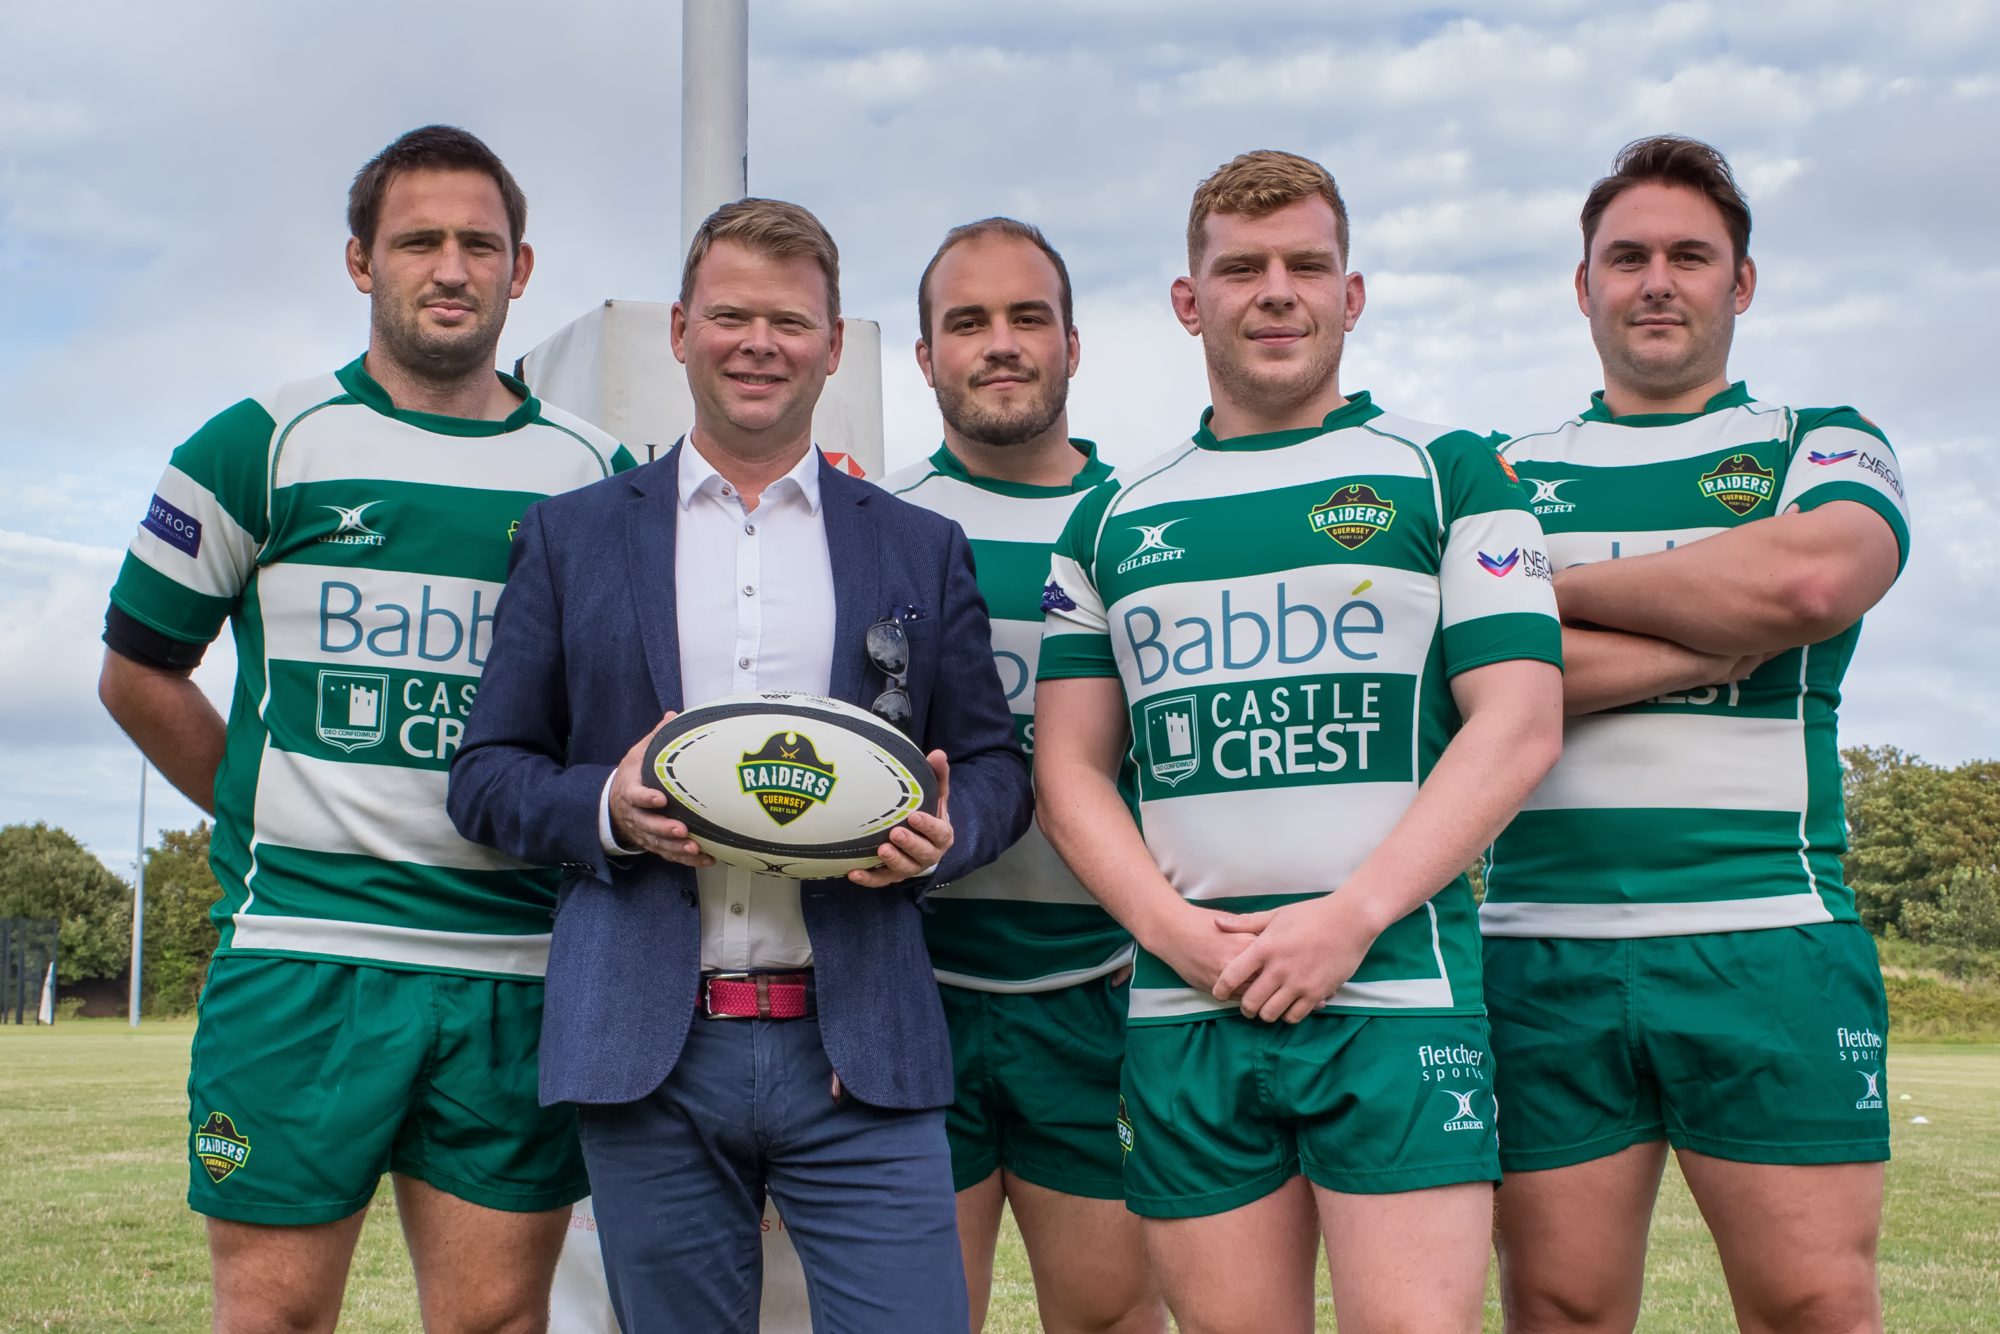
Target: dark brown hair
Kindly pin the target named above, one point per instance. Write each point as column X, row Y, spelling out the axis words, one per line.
column 979, row 231
column 432, row 148
column 1672, row 159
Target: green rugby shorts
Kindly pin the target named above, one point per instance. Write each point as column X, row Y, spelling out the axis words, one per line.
column 1223, row 1111
column 310, row 1079
column 1755, row 1046
column 1037, row 1086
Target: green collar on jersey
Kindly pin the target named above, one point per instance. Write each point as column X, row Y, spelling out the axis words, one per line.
column 1733, row 397
column 368, row 392
column 1093, row 471
column 1356, row 410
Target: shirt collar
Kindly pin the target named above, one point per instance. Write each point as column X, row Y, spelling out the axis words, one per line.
column 1735, row 396
column 1089, row 473
column 697, row 474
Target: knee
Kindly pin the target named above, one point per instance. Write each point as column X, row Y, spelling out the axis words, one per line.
column 1851, row 1305
column 1572, row 1311
column 272, row 1313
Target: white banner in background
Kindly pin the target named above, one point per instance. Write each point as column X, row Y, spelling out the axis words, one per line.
column 46, row 1012
column 581, row 1303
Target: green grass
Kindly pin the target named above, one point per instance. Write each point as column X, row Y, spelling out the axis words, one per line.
column 98, row 1236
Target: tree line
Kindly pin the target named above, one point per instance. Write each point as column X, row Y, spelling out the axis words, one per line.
column 1923, row 858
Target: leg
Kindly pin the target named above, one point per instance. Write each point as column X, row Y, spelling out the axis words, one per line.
column 677, row 1192
column 479, row 1270
column 1089, row 1261
column 485, row 1175
column 1247, row 1271
column 866, row 1193
column 1797, row 1241
column 1776, row 1107
column 1056, row 1058
column 280, row 1278
column 1411, row 1261
column 1572, row 1241
column 978, row 1236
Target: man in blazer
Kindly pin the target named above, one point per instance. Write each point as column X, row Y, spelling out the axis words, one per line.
column 743, row 561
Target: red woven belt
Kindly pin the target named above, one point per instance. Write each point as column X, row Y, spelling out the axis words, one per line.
column 756, row 995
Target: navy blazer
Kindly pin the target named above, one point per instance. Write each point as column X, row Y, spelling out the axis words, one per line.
column 585, row 659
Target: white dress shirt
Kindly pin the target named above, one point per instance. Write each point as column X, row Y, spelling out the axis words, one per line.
column 740, row 633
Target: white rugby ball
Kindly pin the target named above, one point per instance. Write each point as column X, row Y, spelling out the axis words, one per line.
column 788, row 783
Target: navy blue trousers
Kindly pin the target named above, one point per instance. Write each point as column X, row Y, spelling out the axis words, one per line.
column 678, row 1181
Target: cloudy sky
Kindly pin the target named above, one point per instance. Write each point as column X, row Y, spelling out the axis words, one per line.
column 172, row 182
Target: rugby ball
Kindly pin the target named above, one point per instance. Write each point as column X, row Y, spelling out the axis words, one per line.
column 788, row 783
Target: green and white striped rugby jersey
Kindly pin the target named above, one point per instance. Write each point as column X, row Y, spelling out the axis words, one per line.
column 1285, row 613
column 1022, row 923
column 358, row 552
column 1716, row 809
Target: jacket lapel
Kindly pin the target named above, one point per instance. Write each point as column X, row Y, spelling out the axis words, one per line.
column 651, row 522
column 853, row 548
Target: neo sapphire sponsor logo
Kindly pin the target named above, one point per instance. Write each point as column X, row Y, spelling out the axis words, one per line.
column 1547, row 498
column 353, row 530
column 177, row 528
column 1823, row 460
column 1532, row 564
column 1885, row 470
column 1056, row 598
column 1153, row 546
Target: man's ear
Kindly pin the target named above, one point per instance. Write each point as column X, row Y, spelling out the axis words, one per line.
column 357, row 266
column 1182, row 296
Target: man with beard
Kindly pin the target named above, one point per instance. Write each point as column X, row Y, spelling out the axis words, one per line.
column 1325, row 639
column 1671, row 954
column 1034, row 974
column 376, row 996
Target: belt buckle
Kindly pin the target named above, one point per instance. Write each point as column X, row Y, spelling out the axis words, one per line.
column 707, row 1001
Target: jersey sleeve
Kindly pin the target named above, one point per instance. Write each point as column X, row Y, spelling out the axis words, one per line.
column 1838, row 454
column 197, row 544
column 1076, row 635
column 1496, row 586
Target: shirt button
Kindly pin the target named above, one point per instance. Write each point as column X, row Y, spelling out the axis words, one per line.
column 743, row 662
column 750, row 529
column 727, row 490
column 749, row 590
column 736, row 908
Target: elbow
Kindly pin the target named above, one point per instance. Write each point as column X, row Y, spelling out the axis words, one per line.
column 1813, row 605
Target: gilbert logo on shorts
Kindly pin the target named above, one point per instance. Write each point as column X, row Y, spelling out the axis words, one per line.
column 1124, row 1127
column 1463, row 1116
column 786, row 776
column 1740, row 483
column 1353, row 515
column 218, row 1146
column 1871, row 1096
column 1173, row 738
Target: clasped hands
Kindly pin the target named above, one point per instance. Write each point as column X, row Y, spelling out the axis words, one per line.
column 639, row 820
column 1278, row 964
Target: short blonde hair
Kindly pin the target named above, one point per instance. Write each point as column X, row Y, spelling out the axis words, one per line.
column 1255, row 184
column 771, row 227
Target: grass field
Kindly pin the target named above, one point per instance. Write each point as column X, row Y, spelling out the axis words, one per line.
column 97, row 1236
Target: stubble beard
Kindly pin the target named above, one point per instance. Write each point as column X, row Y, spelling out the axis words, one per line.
column 1705, row 357
column 426, row 356
column 971, row 419
column 1273, row 395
